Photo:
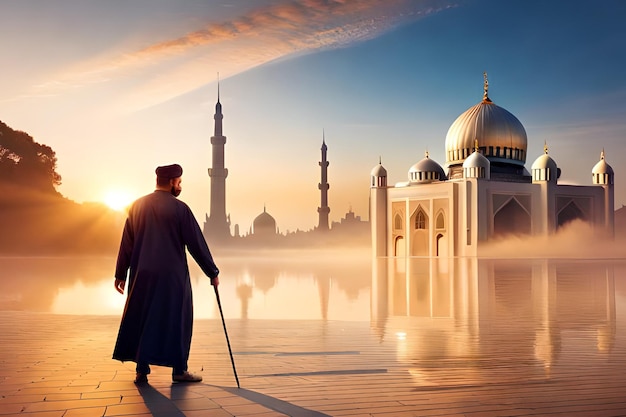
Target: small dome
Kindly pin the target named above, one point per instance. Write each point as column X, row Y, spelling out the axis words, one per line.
column 264, row 223
column 476, row 160
column 602, row 167
column 602, row 172
column 426, row 171
column 379, row 171
column 544, row 168
column 477, row 166
column 544, row 162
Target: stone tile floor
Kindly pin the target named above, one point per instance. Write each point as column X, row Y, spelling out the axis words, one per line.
column 61, row 366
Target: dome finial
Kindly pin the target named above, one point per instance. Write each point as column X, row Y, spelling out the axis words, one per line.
column 602, row 154
column 545, row 147
column 380, row 160
column 426, row 154
column 476, row 145
column 486, row 88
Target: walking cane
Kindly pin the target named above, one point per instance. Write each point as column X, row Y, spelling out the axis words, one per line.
column 219, row 304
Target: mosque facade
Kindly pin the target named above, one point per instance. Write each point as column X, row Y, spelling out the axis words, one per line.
column 484, row 193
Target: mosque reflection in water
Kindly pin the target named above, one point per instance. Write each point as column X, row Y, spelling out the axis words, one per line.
column 489, row 317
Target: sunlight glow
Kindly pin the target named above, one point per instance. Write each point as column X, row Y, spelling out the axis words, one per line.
column 117, row 199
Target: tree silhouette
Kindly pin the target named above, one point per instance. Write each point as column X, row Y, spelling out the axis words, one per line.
column 26, row 163
column 35, row 219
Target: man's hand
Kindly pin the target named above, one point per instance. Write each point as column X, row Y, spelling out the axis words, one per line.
column 119, row 285
column 215, row 281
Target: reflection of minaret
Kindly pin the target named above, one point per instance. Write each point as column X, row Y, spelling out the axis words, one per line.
column 323, row 186
column 217, row 226
column 323, row 288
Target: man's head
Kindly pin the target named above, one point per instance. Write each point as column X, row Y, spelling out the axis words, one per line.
column 168, row 178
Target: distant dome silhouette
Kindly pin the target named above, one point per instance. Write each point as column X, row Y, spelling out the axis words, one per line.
column 264, row 224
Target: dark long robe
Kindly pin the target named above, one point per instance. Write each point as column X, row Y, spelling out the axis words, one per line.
column 157, row 323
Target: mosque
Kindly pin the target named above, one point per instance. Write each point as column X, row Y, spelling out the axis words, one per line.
column 485, row 192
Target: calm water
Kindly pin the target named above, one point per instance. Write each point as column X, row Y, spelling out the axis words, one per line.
column 539, row 296
column 520, row 325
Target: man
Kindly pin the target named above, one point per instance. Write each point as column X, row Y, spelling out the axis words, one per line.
column 156, row 326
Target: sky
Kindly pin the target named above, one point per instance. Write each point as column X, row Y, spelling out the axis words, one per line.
column 119, row 88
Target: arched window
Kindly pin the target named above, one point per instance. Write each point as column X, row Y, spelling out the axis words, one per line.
column 421, row 220
column 440, row 223
column 397, row 222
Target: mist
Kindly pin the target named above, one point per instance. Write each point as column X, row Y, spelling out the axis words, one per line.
column 577, row 239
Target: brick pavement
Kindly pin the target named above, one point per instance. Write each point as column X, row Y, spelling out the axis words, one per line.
column 60, row 366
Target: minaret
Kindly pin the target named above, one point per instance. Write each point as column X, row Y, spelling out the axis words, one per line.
column 217, row 226
column 323, row 186
column 378, row 210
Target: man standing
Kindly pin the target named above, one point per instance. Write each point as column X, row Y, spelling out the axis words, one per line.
column 157, row 323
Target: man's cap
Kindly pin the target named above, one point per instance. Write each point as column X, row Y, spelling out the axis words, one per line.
column 169, row 171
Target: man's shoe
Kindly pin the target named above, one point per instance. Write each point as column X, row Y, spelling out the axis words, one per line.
column 186, row 377
column 141, row 378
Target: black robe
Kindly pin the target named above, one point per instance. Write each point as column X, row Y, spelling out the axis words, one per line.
column 157, row 323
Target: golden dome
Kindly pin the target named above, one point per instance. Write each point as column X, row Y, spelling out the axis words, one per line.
column 501, row 136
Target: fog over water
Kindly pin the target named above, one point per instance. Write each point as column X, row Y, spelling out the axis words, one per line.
column 270, row 284
column 327, row 285
column 447, row 318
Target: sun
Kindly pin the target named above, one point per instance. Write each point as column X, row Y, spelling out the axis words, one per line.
column 117, row 199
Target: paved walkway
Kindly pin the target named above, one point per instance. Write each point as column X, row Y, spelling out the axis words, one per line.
column 60, row 366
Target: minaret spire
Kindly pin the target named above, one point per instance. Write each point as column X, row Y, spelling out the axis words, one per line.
column 323, row 186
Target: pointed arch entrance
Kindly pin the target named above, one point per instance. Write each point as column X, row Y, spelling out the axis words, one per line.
column 442, row 245
column 512, row 218
column 570, row 213
column 399, row 247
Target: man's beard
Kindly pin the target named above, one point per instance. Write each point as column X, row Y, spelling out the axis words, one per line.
column 174, row 191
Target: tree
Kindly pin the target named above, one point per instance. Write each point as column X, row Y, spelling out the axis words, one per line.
column 26, row 163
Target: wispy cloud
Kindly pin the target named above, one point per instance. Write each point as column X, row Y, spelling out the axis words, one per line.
column 303, row 24
column 175, row 66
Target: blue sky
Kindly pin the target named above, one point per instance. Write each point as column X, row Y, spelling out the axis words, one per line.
column 117, row 88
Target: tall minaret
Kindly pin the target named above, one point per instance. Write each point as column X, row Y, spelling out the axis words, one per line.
column 217, row 225
column 323, row 186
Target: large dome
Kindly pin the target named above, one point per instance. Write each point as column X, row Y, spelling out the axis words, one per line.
column 501, row 136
